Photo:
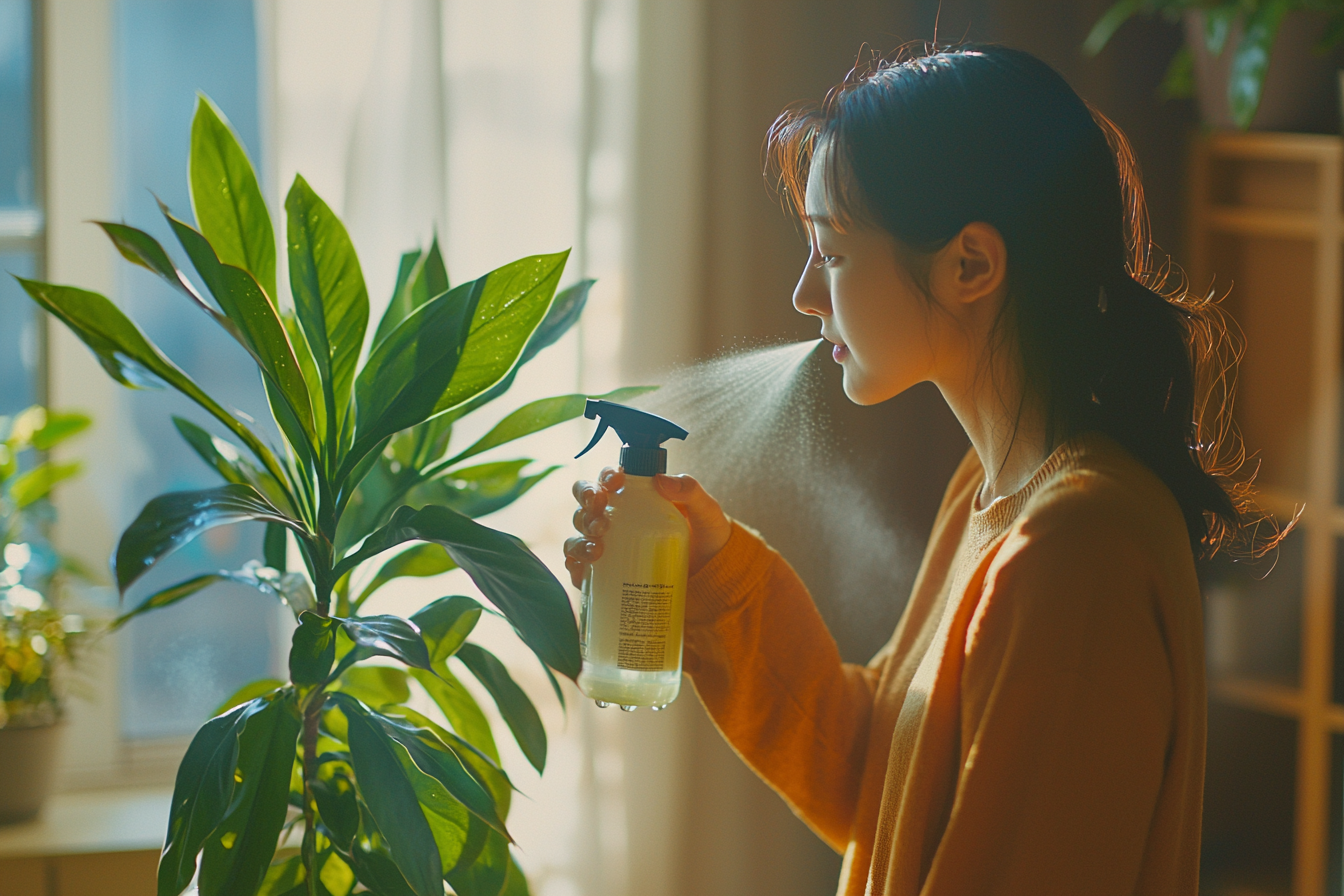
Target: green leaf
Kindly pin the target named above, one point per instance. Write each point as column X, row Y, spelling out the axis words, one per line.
column 275, row 547
column 375, row 868
column 512, row 304
column 1218, row 21
column 335, row 795
column 258, row 320
column 480, row 490
column 514, row 706
column 127, row 356
column 313, row 649
column 1332, row 34
column 283, row 877
column 225, row 459
column 141, row 249
column 1108, row 24
column 376, row 686
column 448, row 819
column 201, row 796
column 38, row 482
column 171, row 520
column 421, row 276
column 170, row 595
column 399, row 385
column 57, row 427
column 1250, row 61
column 516, row 884
column 226, row 199
column 564, row 312
column 541, row 414
column 459, row 708
column 329, row 293
column 488, row 874
column 445, row 624
column 238, row 852
column 249, row 692
column 509, row 575
column 384, row 636
column 420, row 561
column 392, row 801
column 308, row 365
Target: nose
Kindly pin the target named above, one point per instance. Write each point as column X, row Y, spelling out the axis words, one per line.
column 812, row 295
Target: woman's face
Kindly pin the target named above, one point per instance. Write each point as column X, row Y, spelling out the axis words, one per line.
column 884, row 329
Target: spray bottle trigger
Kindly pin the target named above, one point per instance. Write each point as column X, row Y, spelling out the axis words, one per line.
column 597, row 437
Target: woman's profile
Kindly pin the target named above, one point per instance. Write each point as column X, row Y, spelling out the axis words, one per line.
column 1036, row 723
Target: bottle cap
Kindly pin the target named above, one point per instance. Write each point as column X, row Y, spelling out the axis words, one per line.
column 642, row 435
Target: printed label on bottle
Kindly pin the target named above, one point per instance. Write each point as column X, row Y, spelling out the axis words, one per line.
column 646, row 616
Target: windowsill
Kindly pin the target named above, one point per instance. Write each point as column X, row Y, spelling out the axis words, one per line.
column 92, row 821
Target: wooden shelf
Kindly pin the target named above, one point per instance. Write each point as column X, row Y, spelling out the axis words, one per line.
column 1267, row 222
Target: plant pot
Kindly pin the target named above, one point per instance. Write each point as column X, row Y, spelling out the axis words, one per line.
column 1301, row 87
column 27, row 767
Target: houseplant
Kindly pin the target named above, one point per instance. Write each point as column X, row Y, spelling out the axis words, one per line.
column 36, row 638
column 385, row 798
column 1246, row 30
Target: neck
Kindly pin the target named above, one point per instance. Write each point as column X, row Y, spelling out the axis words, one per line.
column 1006, row 426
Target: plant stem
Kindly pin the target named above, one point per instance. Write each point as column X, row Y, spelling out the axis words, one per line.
column 310, row 720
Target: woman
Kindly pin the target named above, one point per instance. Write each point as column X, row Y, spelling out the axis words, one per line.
column 1036, row 723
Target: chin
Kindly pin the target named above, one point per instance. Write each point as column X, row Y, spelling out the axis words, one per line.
column 862, row 391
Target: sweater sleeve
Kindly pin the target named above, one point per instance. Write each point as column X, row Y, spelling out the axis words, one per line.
column 769, row 672
column 1066, row 716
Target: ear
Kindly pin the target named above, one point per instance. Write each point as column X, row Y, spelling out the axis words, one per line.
column 971, row 269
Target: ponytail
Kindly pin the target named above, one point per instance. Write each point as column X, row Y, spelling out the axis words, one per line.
column 923, row 146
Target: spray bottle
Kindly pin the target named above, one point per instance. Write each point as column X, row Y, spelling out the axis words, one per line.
column 634, row 596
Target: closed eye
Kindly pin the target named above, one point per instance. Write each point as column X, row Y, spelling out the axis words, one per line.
column 825, row 260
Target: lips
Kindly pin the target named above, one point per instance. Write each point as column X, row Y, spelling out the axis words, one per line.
column 840, row 353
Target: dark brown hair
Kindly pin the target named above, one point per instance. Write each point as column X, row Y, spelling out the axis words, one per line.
column 923, row 145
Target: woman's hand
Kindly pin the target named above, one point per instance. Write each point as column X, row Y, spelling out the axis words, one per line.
column 710, row 528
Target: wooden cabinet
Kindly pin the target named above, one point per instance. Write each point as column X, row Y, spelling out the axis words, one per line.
column 1266, row 228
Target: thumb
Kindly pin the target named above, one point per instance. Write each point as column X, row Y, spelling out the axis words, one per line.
column 701, row 509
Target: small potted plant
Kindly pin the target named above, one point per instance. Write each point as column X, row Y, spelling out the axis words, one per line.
column 1250, row 63
column 36, row 637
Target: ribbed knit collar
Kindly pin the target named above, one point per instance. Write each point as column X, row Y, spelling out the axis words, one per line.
column 985, row 525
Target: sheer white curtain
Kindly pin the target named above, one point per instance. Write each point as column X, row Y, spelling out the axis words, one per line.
column 505, row 128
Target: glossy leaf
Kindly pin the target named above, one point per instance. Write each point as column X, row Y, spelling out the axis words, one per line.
column 459, row 708
column 512, row 303
column 275, row 547
column 448, row 819
column 329, row 293
column 400, row 383
column 392, row 801
column 1218, row 22
column 509, row 575
column 421, row 276
column 284, row 877
column 249, row 692
column 170, row 521
column 389, row 636
column 445, row 624
column 376, row 686
column 1108, row 24
column 541, row 414
column 141, row 249
column 313, row 649
column 38, row 482
column 377, row 871
column 170, row 595
column 514, row 705
column 419, row 561
column 201, row 797
column 246, row 304
column 238, row 852
column 516, row 883
column 127, row 356
column 226, row 460
column 565, row 310
column 488, row 874
column 1250, row 61
column 479, row 490
column 226, row 199
column 335, row 796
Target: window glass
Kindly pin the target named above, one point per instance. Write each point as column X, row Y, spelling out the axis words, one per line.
column 19, row 354
column 16, row 104
column 182, row 661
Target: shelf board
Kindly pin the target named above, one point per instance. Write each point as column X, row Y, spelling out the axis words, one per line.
column 1275, row 147
column 1282, row 223
column 1262, row 696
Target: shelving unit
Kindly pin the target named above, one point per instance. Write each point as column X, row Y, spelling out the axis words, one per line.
column 1267, row 222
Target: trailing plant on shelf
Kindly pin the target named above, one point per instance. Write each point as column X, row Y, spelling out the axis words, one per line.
column 386, row 798
column 1259, row 21
column 36, row 637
